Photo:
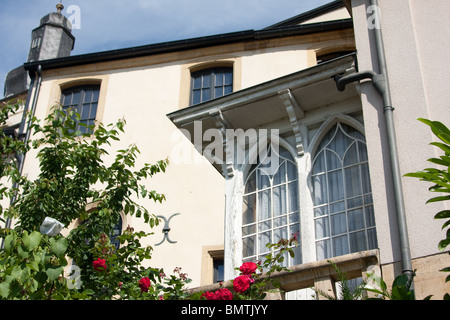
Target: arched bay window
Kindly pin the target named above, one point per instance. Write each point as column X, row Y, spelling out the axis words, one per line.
column 270, row 207
column 342, row 196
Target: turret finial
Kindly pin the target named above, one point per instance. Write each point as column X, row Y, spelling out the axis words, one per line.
column 59, row 7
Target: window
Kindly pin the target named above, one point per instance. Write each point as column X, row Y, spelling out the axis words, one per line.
column 84, row 101
column 218, row 275
column 342, row 197
column 210, row 84
column 270, row 208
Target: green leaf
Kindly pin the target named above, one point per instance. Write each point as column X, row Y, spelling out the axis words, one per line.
column 9, row 242
column 58, row 246
column 4, row 289
column 31, row 241
column 54, row 272
column 442, row 214
column 443, row 244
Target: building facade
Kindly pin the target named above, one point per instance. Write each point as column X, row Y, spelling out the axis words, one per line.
column 276, row 132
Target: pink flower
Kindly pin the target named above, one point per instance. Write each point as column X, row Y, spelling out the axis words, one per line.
column 248, row 268
column 99, row 264
column 241, row 283
column 144, row 284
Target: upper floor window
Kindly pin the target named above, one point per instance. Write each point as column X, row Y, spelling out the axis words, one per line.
column 270, row 208
column 211, row 83
column 342, row 197
column 84, row 101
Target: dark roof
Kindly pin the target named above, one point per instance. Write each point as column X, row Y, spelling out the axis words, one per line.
column 309, row 14
column 188, row 44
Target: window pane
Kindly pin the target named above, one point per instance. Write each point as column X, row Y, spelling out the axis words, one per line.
column 323, row 249
column 338, row 223
column 319, row 164
column 196, row 96
column 280, row 175
column 291, row 171
column 352, row 181
column 248, row 246
column 280, row 233
column 249, row 204
column 355, row 220
column 278, row 222
column 263, row 226
column 335, row 185
column 279, row 200
column 219, row 79
column 333, row 161
column 264, row 204
column 206, row 83
column 218, row 92
column 293, row 196
column 206, row 94
column 358, row 241
column 322, row 228
column 320, row 195
column 251, row 183
column 365, row 178
column 340, row 245
column 197, row 82
column 263, row 239
column 351, row 156
column 250, row 229
column 228, row 78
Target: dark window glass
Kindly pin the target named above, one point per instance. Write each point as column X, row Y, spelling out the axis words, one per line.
column 84, row 101
column 210, row 84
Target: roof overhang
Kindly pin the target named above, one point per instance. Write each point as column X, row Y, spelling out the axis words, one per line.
column 279, row 103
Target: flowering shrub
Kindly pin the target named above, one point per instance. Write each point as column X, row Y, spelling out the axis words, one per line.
column 250, row 284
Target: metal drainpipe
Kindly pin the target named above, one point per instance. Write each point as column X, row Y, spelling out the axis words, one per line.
column 36, row 83
column 381, row 83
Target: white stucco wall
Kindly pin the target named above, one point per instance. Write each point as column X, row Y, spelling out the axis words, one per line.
column 412, row 34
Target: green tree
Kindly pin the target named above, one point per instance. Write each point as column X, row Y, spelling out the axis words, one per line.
column 440, row 179
column 73, row 174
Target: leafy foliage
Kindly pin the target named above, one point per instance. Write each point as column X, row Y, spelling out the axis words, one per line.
column 72, row 175
column 440, row 178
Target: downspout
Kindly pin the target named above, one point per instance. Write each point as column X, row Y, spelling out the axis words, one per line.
column 36, row 81
column 381, row 83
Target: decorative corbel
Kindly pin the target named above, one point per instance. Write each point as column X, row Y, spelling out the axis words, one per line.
column 222, row 125
column 295, row 113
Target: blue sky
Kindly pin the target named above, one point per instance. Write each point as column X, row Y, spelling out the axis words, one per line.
column 114, row 24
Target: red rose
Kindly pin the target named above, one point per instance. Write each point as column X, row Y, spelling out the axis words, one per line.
column 99, row 264
column 223, row 294
column 208, row 295
column 241, row 283
column 144, row 284
column 248, row 268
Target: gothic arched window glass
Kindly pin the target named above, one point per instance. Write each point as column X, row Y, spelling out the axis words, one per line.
column 342, row 195
column 270, row 207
